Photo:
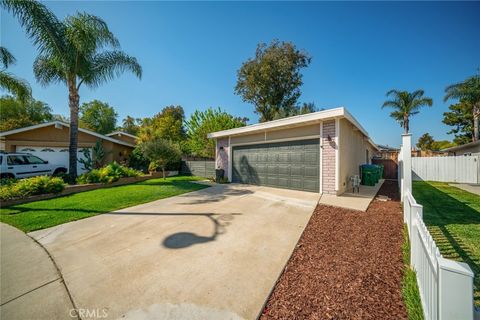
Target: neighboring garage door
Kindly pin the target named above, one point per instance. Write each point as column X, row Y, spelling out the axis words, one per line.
column 290, row 164
column 54, row 155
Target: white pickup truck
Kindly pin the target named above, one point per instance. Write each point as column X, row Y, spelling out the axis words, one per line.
column 22, row 165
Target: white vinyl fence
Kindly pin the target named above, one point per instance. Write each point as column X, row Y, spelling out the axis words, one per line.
column 460, row 169
column 446, row 286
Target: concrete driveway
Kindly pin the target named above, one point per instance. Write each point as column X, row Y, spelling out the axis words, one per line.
column 210, row 254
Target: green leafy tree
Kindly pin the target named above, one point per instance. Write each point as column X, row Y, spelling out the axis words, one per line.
column 441, row 144
column 295, row 111
column 74, row 52
column 406, row 104
column 167, row 124
column 12, row 84
column 15, row 113
column 425, row 142
column 460, row 117
column 98, row 116
column 202, row 123
column 131, row 125
column 161, row 153
column 468, row 91
column 271, row 80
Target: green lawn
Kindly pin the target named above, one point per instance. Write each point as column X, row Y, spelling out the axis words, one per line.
column 410, row 292
column 453, row 218
column 47, row 213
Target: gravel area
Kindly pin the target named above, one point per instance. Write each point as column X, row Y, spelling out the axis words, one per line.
column 347, row 265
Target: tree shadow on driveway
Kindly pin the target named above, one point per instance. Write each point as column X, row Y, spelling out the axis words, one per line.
column 180, row 240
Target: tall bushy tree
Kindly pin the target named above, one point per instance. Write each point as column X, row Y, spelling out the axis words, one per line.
column 15, row 113
column 406, row 104
column 98, row 116
column 74, row 52
column 271, row 80
column 425, row 142
column 468, row 91
column 167, row 124
column 203, row 122
column 14, row 85
column 460, row 117
column 160, row 152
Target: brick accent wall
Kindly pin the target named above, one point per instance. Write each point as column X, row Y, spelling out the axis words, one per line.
column 328, row 157
column 222, row 155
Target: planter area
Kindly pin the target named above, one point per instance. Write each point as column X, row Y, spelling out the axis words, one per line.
column 87, row 187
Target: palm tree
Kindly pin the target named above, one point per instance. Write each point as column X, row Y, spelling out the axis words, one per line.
column 405, row 105
column 8, row 81
column 469, row 92
column 73, row 52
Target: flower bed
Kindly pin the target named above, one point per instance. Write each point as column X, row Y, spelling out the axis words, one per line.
column 11, row 189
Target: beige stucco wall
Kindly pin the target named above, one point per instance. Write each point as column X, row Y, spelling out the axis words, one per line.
column 290, row 133
column 352, row 153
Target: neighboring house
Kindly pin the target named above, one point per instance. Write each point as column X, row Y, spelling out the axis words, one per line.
column 316, row 152
column 50, row 142
column 387, row 153
column 123, row 136
column 472, row 148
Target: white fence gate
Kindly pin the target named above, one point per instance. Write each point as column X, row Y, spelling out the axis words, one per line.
column 446, row 286
column 461, row 169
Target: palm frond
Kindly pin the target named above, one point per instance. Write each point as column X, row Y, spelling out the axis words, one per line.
column 19, row 87
column 417, row 94
column 89, row 33
column 48, row 69
column 6, row 57
column 391, row 103
column 393, row 92
column 108, row 65
column 41, row 25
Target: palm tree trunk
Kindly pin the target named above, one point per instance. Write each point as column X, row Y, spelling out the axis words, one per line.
column 73, row 102
column 406, row 124
column 476, row 114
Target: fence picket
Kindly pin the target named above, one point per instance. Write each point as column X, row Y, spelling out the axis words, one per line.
column 446, row 287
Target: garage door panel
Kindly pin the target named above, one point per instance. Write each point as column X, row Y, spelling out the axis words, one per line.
column 291, row 164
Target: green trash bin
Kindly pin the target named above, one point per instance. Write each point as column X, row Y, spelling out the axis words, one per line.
column 369, row 174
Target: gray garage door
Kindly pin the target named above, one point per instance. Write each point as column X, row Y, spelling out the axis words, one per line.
column 291, row 164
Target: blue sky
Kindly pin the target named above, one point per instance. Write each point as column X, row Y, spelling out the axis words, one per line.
column 190, row 54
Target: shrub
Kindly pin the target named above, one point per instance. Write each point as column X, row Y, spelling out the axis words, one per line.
column 108, row 174
column 31, row 186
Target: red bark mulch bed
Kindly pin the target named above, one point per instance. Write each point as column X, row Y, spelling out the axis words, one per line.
column 347, row 265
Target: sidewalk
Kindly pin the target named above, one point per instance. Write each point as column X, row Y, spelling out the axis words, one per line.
column 30, row 286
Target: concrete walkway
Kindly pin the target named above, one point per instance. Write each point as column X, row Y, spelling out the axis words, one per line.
column 472, row 188
column 355, row 201
column 210, row 254
column 31, row 287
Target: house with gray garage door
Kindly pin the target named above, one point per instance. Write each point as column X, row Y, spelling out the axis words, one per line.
column 316, row 152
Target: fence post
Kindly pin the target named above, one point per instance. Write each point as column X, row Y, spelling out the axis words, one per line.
column 455, row 290
column 406, row 163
